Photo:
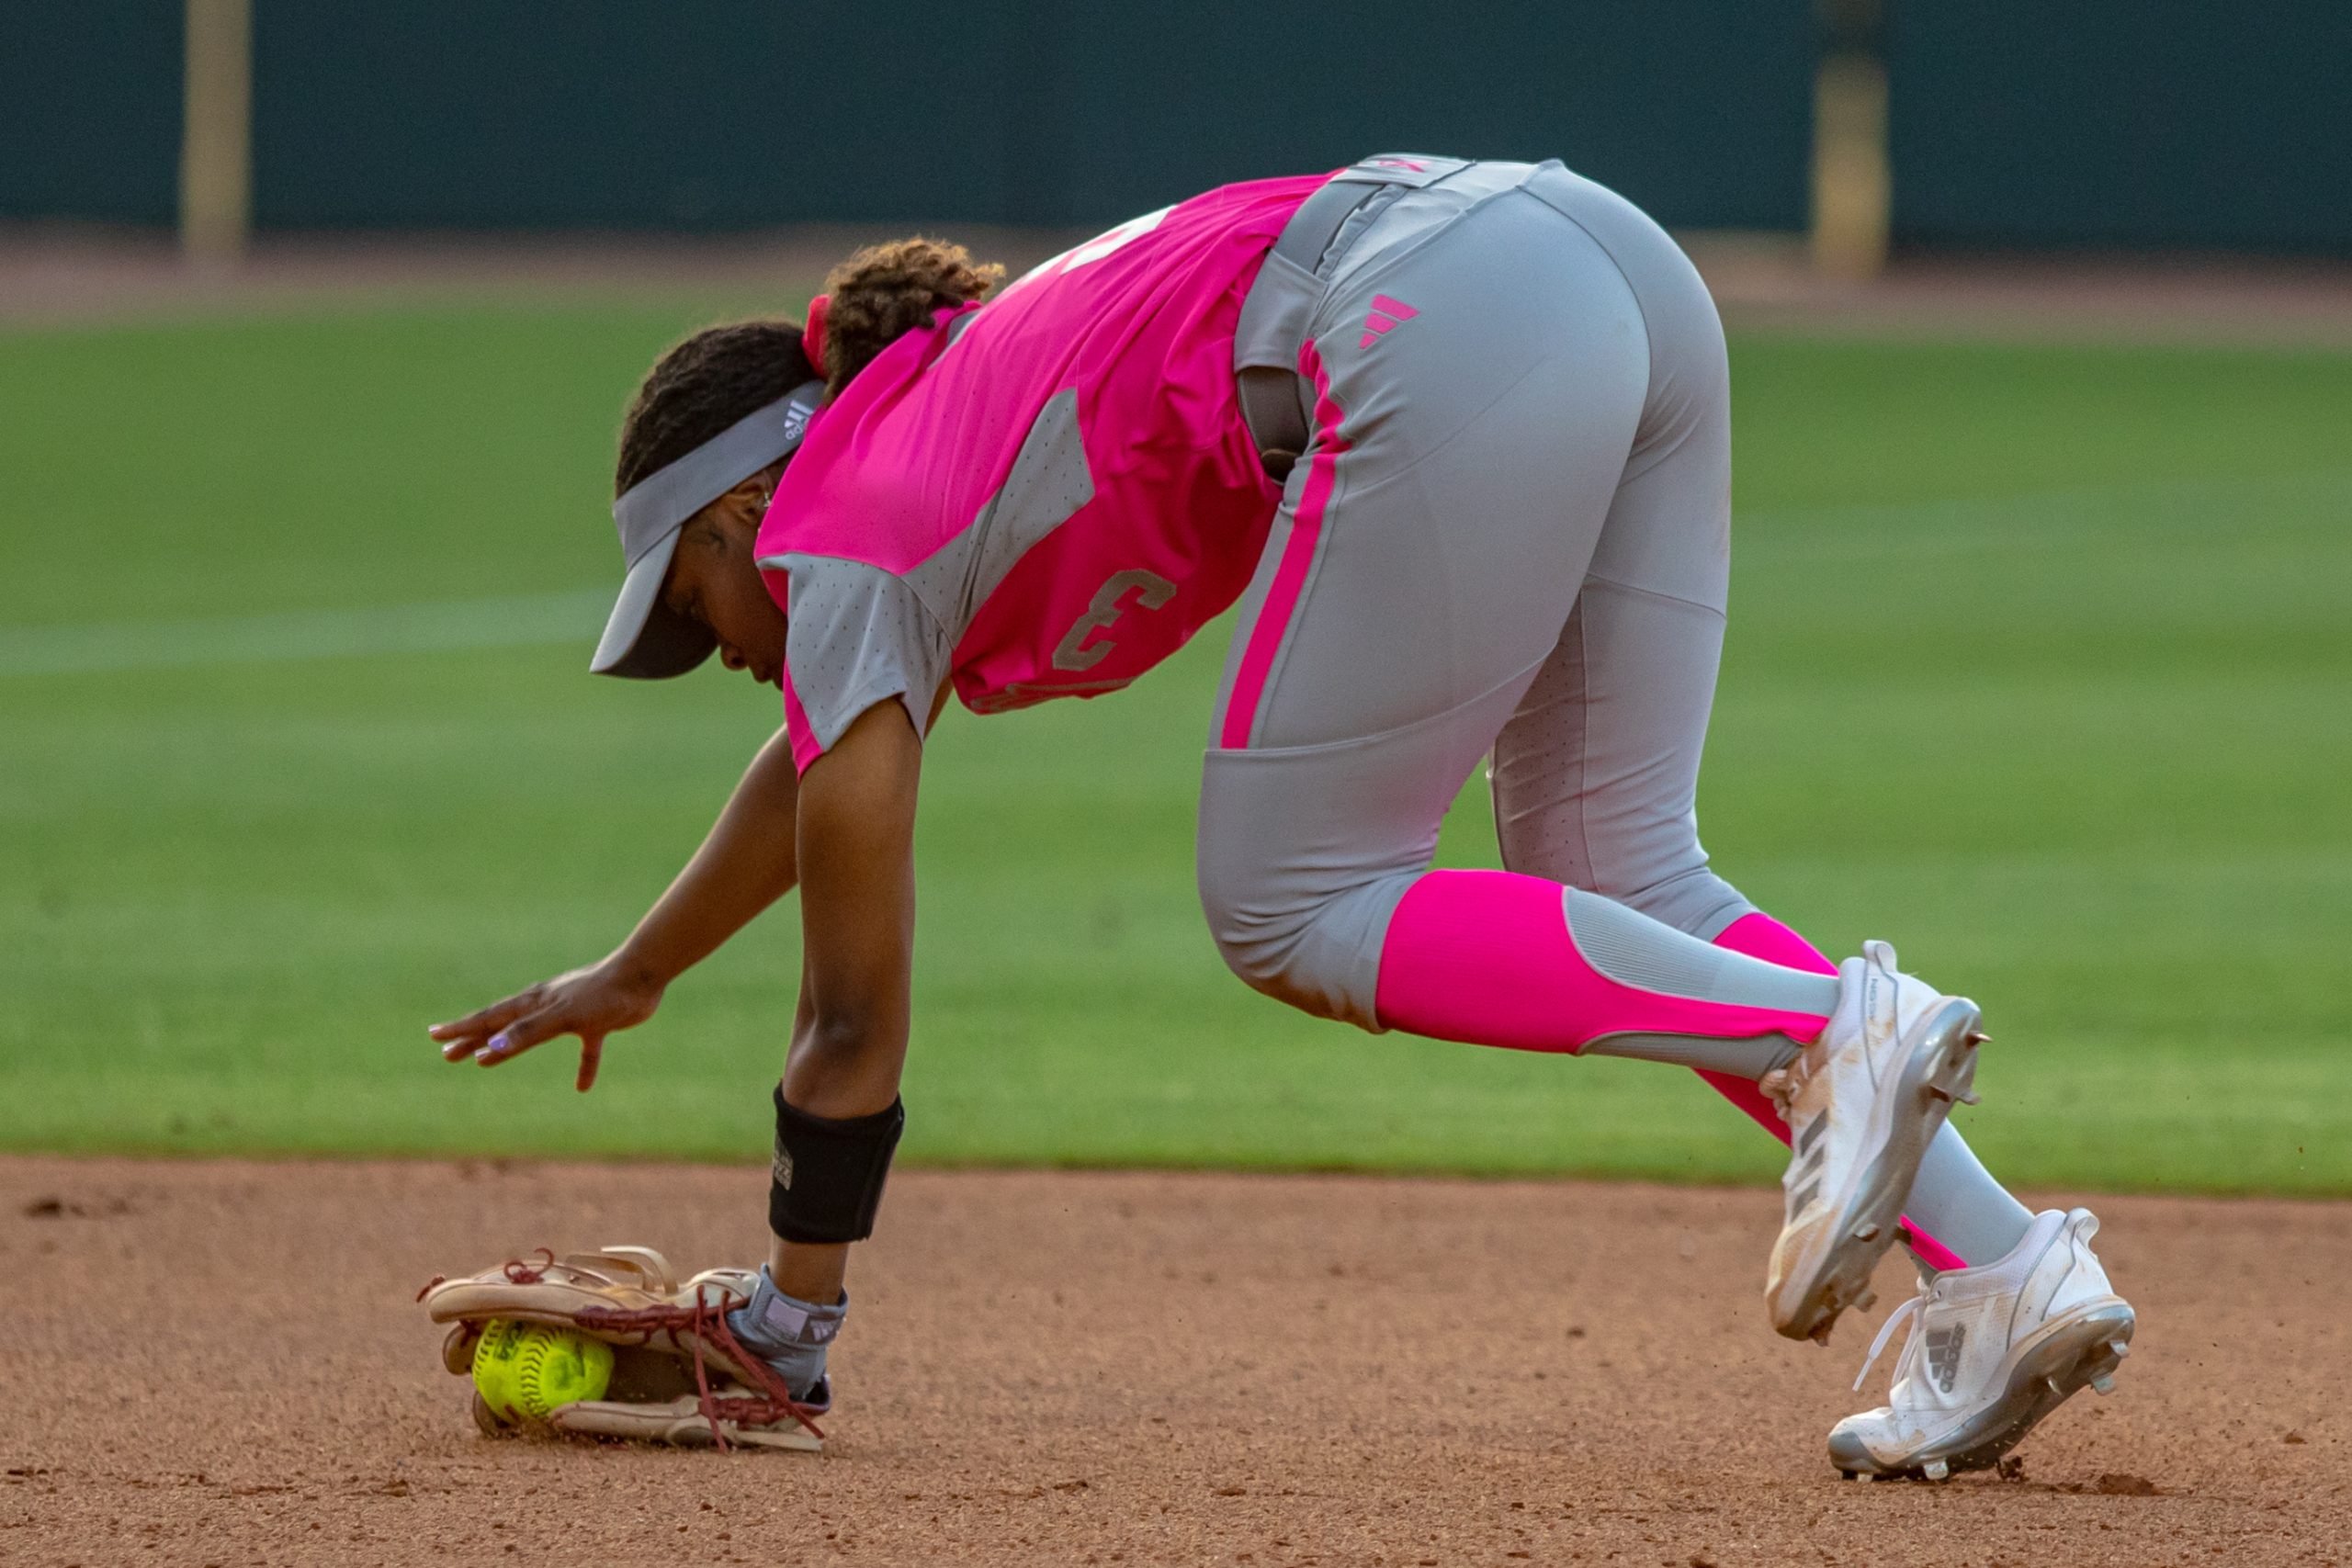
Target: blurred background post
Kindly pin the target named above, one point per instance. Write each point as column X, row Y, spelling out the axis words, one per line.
column 216, row 150
column 1852, row 199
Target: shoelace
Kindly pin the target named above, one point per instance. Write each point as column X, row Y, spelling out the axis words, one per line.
column 1908, row 1313
column 1784, row 1083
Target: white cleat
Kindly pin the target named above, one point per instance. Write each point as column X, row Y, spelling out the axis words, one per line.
column 1863, row 1103
column 1993, row 1350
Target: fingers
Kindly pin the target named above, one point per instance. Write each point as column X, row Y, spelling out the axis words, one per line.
column 461, row 1037
column 488, row 1017
column 592, row 1055
column 570, row 1004
column 460, row 1048
column 521, row 1036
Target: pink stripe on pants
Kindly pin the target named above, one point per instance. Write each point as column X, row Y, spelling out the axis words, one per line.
column 1298, row 554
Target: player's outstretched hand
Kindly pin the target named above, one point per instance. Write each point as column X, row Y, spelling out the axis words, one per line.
column 600, row 999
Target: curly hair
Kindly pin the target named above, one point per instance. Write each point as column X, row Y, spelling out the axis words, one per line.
column 700, row 386
column 886, row 292
column 706, row 383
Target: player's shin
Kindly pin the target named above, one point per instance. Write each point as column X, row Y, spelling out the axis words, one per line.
column 1494, row 958
column 1863, row 1066
column 825, row 1189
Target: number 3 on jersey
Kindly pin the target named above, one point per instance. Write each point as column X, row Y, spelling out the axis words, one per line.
column 1150, row 591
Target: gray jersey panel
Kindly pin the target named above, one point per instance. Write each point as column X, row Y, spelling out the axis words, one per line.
column 860, row 634
column 857, row 636
column 1047, row 483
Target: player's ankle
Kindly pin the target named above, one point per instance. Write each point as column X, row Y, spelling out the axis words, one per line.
column 790, row 1335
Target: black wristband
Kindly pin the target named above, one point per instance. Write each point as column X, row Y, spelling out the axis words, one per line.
column 827, row 1181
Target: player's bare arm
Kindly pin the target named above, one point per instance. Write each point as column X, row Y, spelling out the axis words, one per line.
column 745, row 863
column 857, row 914
column 858, row 907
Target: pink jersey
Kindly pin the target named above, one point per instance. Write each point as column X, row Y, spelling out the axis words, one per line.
column 1041, row 496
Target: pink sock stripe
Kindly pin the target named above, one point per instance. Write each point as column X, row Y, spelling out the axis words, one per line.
column 1298, row 554
column 1486, row 957
column 1758, row 935
column 1930, row 1251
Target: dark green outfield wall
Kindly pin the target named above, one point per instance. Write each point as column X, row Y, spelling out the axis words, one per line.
column 468, row 113
column 2126, row 123
column 90, row 109
column 2105, row 122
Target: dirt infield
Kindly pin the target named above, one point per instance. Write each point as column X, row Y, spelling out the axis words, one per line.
column 221, row 1363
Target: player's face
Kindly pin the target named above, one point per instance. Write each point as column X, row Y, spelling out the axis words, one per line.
column 712, row 579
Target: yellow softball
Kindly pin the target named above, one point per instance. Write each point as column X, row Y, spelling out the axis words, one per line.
column 524, row 1370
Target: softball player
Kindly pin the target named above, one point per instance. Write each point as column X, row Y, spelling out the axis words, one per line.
column 1455, row 438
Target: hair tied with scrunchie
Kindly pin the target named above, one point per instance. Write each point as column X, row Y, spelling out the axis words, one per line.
column 813, row 332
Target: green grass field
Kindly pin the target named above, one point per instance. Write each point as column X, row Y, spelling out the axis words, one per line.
column 2040, row 664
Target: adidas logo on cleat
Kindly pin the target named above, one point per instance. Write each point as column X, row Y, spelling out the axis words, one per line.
column 1943, row 1355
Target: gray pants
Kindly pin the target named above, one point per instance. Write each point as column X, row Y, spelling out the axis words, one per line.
column 1511, row 535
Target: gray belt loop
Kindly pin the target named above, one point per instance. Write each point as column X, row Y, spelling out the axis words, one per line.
column 1273, row 321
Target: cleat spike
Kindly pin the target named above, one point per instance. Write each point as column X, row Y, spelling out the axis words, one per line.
column 2122, row 1348
column 2104, row 1382
column 1866, row 1300
column 1972, row 1098
column 1978, row 1037
column 1936, row 1470
column 1865, row 1233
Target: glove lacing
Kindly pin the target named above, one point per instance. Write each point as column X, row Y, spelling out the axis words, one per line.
column 704, row 1321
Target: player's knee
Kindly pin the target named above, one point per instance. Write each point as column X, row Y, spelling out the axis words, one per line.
column 1258, row 941
column 1298, row 941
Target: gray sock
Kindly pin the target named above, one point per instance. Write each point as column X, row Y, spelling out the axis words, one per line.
column 1634, row 950
column 788, row 1334
column 1956, row 1201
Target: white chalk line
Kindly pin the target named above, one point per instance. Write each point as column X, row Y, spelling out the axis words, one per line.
column 2047, row 520
column 371, row 631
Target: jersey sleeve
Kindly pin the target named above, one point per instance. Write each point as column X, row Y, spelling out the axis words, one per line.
column 856, row 635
